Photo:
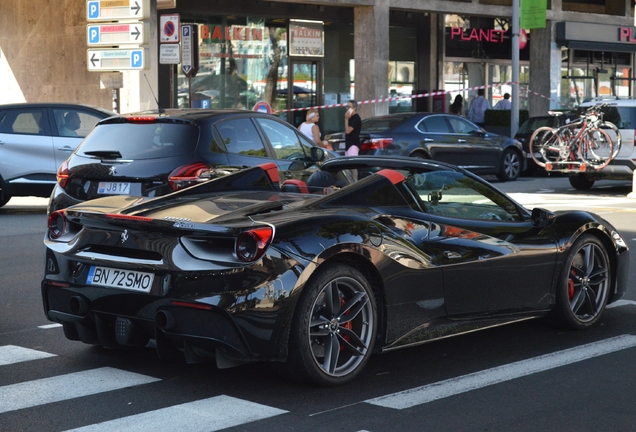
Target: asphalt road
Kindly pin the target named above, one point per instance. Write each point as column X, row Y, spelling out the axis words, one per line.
column 521, row 377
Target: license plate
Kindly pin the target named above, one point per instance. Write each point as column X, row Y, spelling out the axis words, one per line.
column 113, row 188
column 124, row 279
column 341, row 146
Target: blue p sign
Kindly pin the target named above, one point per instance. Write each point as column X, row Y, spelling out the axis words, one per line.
column 93, row 35
column 137, row 59
column 93, row 10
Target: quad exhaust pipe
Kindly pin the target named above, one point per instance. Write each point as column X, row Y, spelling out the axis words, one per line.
column 164, row 320
column 78, row 305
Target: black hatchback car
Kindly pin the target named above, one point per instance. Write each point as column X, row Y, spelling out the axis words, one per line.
column 442, row 137
column 152, row 154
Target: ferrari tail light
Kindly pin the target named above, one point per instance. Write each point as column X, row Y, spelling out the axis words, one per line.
column 62, row 174
column 252, row 244
column 188, row 175
column 376, row 144
column 57, row 224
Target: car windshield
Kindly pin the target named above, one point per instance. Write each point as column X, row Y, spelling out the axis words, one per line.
column 381, row 124
column 453, row 194
column 140, row 141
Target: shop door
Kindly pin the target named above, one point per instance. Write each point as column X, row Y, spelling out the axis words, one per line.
column 305, row 82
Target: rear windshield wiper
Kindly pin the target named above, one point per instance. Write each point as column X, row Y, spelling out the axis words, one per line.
column 104, row 154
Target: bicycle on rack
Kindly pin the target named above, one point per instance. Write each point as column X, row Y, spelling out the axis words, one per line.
column 580, row 145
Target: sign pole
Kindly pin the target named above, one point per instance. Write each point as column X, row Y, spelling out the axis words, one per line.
column 171, row 86
column 514, row 112
column 189, row 91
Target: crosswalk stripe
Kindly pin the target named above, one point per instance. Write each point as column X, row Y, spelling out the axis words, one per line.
column 69, row 386
column 207, row 415
column 431, row 392
column 10, row 354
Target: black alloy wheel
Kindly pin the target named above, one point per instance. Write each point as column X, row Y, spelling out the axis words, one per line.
column 583, row 286
column 510, row 166
column 334, row 328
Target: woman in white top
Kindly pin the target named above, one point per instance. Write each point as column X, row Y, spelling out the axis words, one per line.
column 311, row 129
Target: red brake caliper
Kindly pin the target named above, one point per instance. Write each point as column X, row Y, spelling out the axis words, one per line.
column 347, row 325
column 571, row 287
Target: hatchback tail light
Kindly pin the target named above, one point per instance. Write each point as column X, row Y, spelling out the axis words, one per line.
column 376, row 144
column 142, row 119
column 252, row 244
column 188, row 175
column 62, row 174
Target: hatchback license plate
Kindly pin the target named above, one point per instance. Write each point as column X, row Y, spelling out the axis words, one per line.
column 341, row 146
column 116, row 278
column 113, row 188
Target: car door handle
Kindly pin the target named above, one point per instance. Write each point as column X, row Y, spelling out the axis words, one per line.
column 428, row 140
column 452, row 255
column 65, row 148
column 461, row 140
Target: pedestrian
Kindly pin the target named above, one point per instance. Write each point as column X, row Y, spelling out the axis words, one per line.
column 312, row 130
column 478, row 108
column 504, row 104
column 353, row 124
column 457, row 107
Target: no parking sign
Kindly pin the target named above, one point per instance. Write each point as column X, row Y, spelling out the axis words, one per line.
column 169, row 25
column 262, row 106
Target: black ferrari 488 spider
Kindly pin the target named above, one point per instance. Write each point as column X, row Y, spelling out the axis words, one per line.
column 367, row 255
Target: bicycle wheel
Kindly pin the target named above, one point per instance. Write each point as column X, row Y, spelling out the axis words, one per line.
column 545, row 146
column 596, row 148
column 615, row 134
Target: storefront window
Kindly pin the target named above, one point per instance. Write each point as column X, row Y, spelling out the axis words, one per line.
column 241, row 61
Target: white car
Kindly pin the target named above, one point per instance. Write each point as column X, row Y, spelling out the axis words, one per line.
column 621, row 112
column 35, row 138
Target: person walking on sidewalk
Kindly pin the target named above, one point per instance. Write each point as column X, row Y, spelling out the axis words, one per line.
column 505, row 103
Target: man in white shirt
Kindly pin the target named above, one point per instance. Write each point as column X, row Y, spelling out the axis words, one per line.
column 478, row 108
column 504, row 104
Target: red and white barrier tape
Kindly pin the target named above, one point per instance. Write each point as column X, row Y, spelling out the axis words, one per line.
column 435, row 93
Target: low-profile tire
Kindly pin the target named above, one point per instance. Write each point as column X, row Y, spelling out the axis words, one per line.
column 510, row 166
column 583, row 286
column 581, row 182
column 333, row 329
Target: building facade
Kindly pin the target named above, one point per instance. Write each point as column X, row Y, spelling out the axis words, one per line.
column 296, row 54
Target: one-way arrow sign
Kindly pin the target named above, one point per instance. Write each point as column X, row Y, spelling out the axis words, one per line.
column 117, row 34
column 113, row 10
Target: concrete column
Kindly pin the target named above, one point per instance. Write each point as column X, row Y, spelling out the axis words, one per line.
column 545, row 70
column 371, row 54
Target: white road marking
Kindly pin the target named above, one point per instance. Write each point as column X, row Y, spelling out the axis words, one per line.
column 69, row 386
column 49, row 326
column 10, row 354
column 431, row 392
column 207, row 415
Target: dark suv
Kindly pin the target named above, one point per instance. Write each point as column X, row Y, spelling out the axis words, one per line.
column 35, row 138
column 152, row 154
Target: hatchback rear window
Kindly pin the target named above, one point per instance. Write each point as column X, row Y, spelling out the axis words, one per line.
column 141, row 141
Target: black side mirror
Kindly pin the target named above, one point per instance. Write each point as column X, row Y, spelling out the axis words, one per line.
column 317, row 154
column 541, row 217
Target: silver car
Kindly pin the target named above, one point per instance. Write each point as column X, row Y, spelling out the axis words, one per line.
column 34, row 141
